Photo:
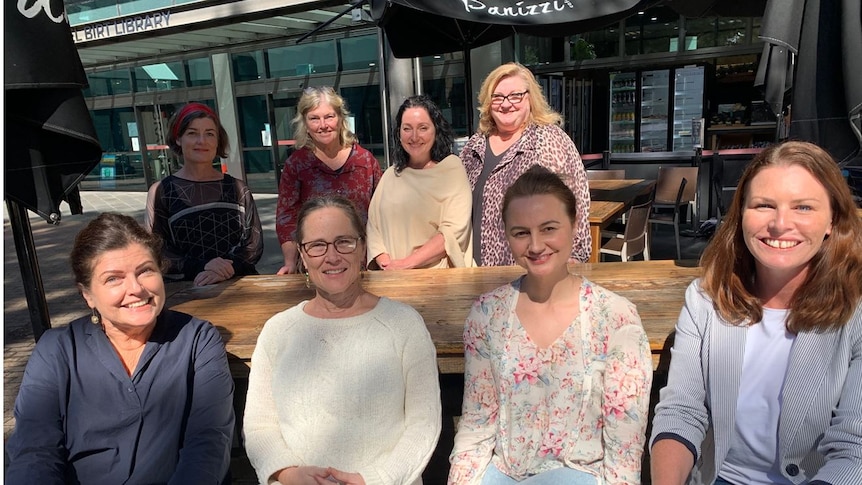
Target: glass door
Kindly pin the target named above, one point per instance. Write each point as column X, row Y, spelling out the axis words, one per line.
column 655, row 89
column 687, row 106
column 622, row 116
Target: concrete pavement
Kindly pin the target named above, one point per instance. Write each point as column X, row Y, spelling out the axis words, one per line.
column 53, row 244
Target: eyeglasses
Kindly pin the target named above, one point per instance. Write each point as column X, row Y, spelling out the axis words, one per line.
column 514, row 98
column 342, row 245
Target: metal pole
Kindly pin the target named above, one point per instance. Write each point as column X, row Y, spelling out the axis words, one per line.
column 417, row 75
column 31, row 277
column 382, row 76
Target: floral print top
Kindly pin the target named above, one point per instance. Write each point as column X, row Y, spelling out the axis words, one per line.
column 580, row 403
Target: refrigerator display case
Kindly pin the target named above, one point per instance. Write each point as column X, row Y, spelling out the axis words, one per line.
column 652, row 111
column 687, row 106
column 622, row 116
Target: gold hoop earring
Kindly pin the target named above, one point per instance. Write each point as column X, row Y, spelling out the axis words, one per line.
column 94, row 318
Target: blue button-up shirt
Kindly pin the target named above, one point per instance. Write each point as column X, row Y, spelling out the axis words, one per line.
column 80, row 418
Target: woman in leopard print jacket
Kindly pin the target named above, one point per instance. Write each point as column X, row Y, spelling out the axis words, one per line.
column 517, row 129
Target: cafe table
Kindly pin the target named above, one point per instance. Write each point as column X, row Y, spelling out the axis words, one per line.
column 620, row 190
column 240, row 307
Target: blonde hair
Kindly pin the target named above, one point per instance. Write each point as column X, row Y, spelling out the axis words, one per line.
column 311, row 99
column 540, row 112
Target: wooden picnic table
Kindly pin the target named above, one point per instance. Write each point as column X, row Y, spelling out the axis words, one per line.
column 240, row 307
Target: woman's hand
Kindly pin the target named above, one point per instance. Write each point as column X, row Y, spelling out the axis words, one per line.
column 221, row 267
column 399, row 264
column 341, row 478
column 383, row 260
column 302, row 475
column 288, row 268
column 215, row 271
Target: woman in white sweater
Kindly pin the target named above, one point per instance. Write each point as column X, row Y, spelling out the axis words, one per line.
column 343, row 387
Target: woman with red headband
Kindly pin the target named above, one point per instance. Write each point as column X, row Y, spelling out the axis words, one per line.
column 207, row 219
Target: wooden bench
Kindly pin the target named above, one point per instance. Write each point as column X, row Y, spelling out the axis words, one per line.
column 239, row 308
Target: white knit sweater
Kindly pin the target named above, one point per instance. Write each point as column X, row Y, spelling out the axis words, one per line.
column 358, row 394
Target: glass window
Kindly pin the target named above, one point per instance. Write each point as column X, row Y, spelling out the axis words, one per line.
column 259, row 172
column 248, row 66
column 301, row 60
column 358, row 52
column 535, row 50
column 200, row 73
column 84, row 11
column 107, row 83
column 449, row 95
column 715, row 32
column 159, row 77
column 598, row 44
column 364, row 105
column 129, row 7
column 112, row 128
column 253, row 120
column 654, row 30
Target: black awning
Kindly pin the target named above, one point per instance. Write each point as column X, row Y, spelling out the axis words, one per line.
column 418, row 28
column 717, row 8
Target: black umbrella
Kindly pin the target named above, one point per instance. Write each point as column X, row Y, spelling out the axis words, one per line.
column 717, row 8
column 417, row 28
column 50, row 139
column 815, row 47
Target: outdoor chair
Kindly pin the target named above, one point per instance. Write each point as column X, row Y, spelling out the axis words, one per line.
column 633, row 240
column 676, row 187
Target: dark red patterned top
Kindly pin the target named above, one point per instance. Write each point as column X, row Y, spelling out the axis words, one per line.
column 305, row 176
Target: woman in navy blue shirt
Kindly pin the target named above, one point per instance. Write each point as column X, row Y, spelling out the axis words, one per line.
column 133, row 393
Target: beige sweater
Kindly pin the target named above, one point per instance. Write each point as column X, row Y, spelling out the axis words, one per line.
column 358, row 394
column 409, row 208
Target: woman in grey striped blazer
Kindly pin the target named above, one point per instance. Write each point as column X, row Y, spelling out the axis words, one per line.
column 765, row 382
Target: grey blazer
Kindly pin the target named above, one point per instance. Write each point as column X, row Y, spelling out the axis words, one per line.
column 820, row 428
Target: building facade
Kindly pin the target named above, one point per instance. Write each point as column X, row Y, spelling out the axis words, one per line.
column 251, row 60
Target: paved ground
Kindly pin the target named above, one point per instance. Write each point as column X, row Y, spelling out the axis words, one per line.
column 53, row 244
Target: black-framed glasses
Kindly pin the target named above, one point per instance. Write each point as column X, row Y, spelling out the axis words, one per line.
column 514, row 98
column 342, row 245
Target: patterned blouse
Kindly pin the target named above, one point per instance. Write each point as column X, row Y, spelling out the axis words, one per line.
column 305, row 176
column 199, row 221
column 546, row 145
column 580, row 403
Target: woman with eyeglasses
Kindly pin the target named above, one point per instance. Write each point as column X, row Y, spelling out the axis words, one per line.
column 328, row 161
column 343, row 387
column 517, row 129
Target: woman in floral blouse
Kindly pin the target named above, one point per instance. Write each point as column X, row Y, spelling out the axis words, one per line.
column 557, row 369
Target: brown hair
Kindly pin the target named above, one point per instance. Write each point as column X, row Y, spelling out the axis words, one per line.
column 335, row 201
column 538, row 180
column 832, row 288
column 109, row 232
column 540, row 112
column 181, row 120
column 311, row 99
